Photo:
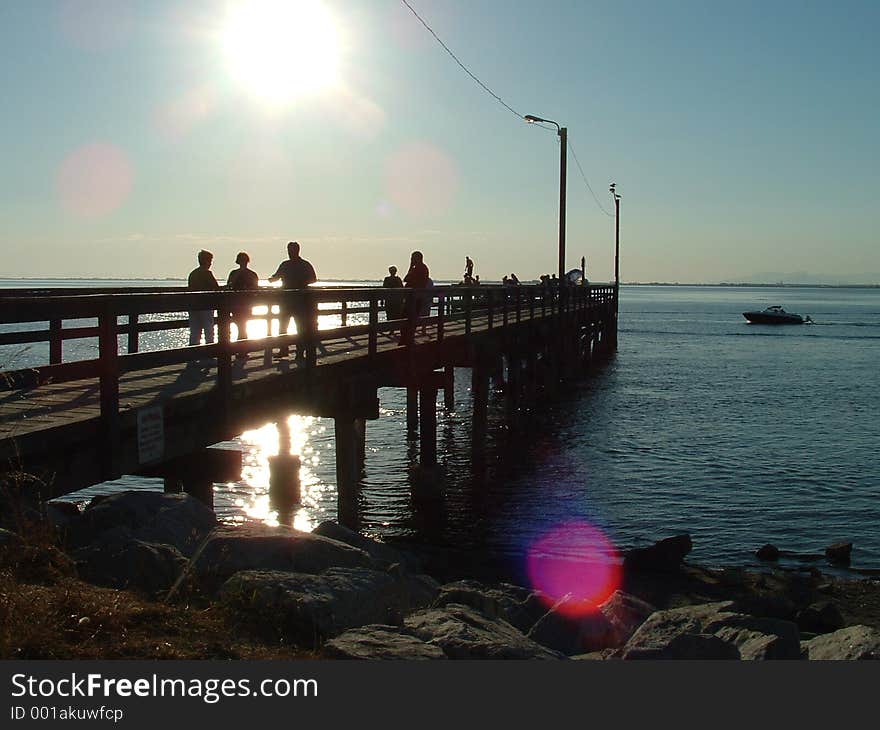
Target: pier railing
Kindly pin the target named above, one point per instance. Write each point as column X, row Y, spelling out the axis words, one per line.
column 116, row 320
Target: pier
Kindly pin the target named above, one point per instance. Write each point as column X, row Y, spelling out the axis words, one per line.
column 69, row 424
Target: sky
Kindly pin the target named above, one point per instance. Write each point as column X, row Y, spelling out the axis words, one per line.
column 742, row 137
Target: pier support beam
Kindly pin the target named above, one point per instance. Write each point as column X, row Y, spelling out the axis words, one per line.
column 412, row 410
column 202, row 489
column 449, row 388
column 512, row 388
column 480, row 418
column 346, row 470
column 360, row 435
column 428, row 426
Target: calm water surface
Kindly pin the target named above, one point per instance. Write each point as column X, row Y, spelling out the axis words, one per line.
column 738, row 434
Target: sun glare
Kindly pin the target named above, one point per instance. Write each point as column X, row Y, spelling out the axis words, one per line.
column 280, row 50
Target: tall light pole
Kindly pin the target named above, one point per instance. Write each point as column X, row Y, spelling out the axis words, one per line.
column 563, row 161
column 616, row 197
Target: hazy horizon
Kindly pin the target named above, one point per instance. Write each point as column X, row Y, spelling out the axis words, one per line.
column 742, row 138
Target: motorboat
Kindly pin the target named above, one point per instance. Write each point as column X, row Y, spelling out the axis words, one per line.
column 775, row 315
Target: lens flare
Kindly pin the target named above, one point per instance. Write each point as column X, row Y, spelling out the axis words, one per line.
column 94, row 180
column 575, row 567
column 421, row 179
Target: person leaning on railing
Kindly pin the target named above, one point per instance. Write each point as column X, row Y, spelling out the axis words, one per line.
column 201, row 279
column 296, row 273
column 242, row 279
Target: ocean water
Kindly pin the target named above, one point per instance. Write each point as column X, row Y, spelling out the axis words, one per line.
column 737, row 434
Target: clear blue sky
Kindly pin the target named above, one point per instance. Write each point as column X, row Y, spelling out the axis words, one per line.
column 743, row 137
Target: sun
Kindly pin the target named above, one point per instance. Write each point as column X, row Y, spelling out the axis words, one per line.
column 281, row 50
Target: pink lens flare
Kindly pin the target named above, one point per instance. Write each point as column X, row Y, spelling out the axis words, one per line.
column 575, row 566
column 421, row 179
column 94, row 180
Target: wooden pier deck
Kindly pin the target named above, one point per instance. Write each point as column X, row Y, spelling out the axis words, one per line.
column 73, row 424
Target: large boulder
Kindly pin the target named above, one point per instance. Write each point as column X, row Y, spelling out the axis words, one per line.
column 380, row 642
column 310, row 608
column 753, row 637
column 230, row 549
column 757, row 646
column 686, row 646
column 822, row 617
column 518, row 606
column 839, row 552
column 155, row 517
column 573, row 634
column 853, row 642
column 117, row 560
column 663, row 556
column 662, row 627
column 625, row 613
column 464, row 633
column 382, row 553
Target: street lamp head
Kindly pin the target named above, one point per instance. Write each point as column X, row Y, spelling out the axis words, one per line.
column 531, row 118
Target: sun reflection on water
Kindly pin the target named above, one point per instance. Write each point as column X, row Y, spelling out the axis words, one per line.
column 262, row 443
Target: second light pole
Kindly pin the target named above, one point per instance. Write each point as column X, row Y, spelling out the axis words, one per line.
column 563, row 162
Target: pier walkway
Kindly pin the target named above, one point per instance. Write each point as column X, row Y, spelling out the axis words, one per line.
column 70, row 424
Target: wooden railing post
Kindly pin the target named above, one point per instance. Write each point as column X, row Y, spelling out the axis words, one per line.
column 55, row 341
column 468, row 310
column 310, row 304
column 505, row 300
column 108, row 352
column 374, row 325
column 344, row 315
column 490, row 307
column 133, row 335
column 224, row 356
column 441, row 316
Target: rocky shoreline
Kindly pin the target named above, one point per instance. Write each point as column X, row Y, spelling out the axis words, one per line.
column 338, row 594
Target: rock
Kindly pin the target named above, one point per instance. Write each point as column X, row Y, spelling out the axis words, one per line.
column 518, row 606
column 625, row 614
column 853, row 642
column 154, row 517
column 573, row 634
column 9, row 538
column 662, row 627
column 839, row 552
column 310, row 608
column 229, row 550
column 464, row 633
column 380, row 552
column 117, row 560
column 380, row 642
column 687, row 646
column 665, row 555
column 820, row 618
column 756, row 646
column 786, row 629
column 767, row 552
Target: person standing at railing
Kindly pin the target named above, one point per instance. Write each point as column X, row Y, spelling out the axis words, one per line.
column 393, row 302
column 242, row 279
column 296, row 273
column 201, row 279
column 417, row 277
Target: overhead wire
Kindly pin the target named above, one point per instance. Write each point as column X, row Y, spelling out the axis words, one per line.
column 458, row 61
column 501, row 101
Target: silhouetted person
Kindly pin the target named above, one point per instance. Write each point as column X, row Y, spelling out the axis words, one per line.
column 514, row 280
column 468, row 268
column 393, row 302
column 416, row 278
column 201, row 279
column 242, row 279
column 296, row 273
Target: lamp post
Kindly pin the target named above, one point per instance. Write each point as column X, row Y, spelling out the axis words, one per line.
column 563, row 159
column 616, row 197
